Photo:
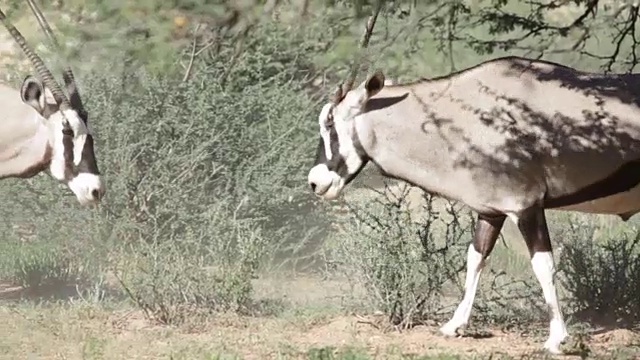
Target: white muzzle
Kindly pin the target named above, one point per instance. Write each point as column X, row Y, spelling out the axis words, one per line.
column 88, row 188
column 325, row 183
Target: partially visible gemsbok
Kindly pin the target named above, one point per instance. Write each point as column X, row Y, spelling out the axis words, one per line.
column 38, row 135
column 509, row 137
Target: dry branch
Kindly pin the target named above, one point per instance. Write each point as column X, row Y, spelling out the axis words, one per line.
column 364, row 43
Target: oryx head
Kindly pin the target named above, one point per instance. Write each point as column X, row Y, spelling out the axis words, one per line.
column 71, row 159
column 340, row 156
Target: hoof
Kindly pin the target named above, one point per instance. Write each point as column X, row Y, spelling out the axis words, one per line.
column 553, row 346
column 449, row 330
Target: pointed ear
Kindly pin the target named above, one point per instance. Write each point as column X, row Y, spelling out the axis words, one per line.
column 367, row 89
column 337, row 95
column 31, row 93
column 374, row 83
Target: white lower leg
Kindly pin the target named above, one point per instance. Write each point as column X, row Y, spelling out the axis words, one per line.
column 475, row 263
column 543, row 267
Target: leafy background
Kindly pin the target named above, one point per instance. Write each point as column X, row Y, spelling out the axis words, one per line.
column 205, row 121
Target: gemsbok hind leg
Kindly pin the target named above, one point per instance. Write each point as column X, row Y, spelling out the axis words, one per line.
column 533, row 227
column 485, row 235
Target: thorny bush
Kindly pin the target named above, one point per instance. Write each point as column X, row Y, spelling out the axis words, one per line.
column 206, row 183
column 410, row 259
column 599, row 270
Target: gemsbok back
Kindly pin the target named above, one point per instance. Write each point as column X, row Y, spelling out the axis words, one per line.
column 38, row 135
column 509, row 137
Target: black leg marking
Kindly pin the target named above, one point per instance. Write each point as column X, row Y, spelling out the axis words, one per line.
column 486, row 233
column 533, row 227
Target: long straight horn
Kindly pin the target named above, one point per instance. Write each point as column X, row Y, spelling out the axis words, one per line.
column 41, row 68
column 67, row 74
column 364, row 43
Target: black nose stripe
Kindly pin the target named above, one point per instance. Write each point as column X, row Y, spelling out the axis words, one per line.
column 337, row 163
column 88, row 162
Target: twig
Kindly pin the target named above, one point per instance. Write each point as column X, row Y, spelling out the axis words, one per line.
column 628, row 29
column 208, row 45
column 304, row 10
column 236, row 54
column 193, row 53
column 364, row 43
column 362, row 320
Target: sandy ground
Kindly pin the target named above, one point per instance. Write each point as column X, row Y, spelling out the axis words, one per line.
column 56, row 333
column 256, row 338
column 76, row 330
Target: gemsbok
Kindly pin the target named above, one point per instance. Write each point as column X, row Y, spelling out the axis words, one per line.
column 38, row 135
column 509, row 137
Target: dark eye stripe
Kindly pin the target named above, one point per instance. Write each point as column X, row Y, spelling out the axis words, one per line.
column 329, row 122
column 337, row 162
column 87, row 163
column 67, row 144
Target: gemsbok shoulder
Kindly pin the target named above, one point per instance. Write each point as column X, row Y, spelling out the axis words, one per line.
column 39, row 135
column 509, row 138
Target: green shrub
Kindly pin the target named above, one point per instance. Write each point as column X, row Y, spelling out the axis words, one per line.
column 411, row 262
column 404, row 261
column 201, row 194
column 206, row 182
column 600, row 273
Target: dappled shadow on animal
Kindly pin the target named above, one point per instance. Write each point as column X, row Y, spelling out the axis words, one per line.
column 509, row 137
column 48, row 130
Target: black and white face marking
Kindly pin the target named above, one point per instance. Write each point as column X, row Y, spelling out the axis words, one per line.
column 329, row 147
column 73, row 159
column 340, row 156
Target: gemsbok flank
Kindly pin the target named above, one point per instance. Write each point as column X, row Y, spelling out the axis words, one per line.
column 38, row 135
column 509, row 137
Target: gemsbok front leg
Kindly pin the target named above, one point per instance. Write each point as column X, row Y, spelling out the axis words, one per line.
column 485, row 235
column 533, row 227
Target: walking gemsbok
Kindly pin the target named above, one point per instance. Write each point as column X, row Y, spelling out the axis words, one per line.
column 509, row 137
column 37, row 135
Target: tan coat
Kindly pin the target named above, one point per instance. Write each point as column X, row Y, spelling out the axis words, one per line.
column 510, row 133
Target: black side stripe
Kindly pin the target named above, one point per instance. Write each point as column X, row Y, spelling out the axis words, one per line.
column 624, row 179
column 358, row 146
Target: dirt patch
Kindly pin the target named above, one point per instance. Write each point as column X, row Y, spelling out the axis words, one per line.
column 622, row 337
column 265, row 338
column 311, row 323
